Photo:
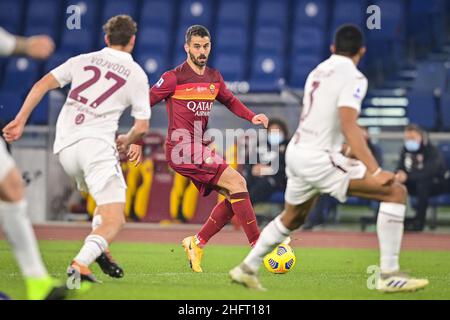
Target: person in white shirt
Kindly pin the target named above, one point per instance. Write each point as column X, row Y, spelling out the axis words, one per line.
column 333, row 94
column 13, row 205
column 103, row 84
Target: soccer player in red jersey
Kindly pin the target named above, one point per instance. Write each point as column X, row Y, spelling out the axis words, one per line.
column 190, row 90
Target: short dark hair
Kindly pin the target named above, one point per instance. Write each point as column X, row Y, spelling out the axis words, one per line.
column 196, row 30
column 348, row 39
column 119, row 29
column 282, row 124
column 414, row 127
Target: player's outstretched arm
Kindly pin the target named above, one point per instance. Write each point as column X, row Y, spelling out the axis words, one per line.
column 355, row 139
column 139, row 129
column 227, row 98
column 261, row 119
column 14, row 130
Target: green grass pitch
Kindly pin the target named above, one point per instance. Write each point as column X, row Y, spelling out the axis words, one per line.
column 160, row 271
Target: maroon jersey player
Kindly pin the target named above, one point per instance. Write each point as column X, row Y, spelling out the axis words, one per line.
column 189, row 91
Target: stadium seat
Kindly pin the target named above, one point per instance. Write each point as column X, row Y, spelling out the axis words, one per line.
column 269, row 40
column 196, row 12
column 159, row 13
column 445, row 110
column 153, row 64
column 231, row 39
column 308, row 40
column 89, row 12
column 11, row 15
column 267, row 70
column 179, row 58
column 393, row 21
column 421, row 109
column 232, row 66
column 272, row 14
column 20, row 75
column 234, row 13
column 43, row 13
column 347, row 11
column 277, row 197
column 430, row 76
column 55, row 60
column 153, row 39
column 313, row 13
column 424, row 23
column 112, row 8
column 10, row 103
column 76, row 41
column 301, row 66
column 180, row 36
column 40, row 113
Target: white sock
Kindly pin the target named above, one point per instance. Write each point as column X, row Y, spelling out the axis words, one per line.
column 20, row 234
column 390, row 234
column 271, row 236
column 93, row 247
column 96, row 222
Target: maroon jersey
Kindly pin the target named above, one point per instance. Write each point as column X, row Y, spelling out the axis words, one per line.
column 190, row 97
column 189, row 100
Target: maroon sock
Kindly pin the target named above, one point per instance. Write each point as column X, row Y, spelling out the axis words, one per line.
column 220, row 216
column 242, row 208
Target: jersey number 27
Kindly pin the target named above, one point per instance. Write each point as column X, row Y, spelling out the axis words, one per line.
column 75, row 93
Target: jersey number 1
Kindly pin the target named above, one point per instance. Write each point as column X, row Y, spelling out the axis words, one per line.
column 75, row 93
column 305, row 113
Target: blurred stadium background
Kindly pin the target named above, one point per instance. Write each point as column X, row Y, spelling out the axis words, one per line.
column 264, row 49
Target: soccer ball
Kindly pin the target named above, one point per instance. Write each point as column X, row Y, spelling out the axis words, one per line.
column 280, row 260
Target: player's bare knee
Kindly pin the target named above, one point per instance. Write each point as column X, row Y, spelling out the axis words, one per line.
column 239, row 185
column 11, row 188
column 399, row 193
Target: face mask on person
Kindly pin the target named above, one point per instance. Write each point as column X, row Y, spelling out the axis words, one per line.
column 275, row 138
column 412, row 145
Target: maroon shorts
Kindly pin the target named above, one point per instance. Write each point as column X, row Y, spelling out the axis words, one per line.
column 203, row 166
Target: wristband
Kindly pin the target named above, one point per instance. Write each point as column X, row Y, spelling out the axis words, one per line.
column 377, row 172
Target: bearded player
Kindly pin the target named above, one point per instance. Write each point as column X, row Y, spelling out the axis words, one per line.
column 190, row 90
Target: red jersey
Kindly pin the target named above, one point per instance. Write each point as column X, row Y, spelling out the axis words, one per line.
column 190, row 97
